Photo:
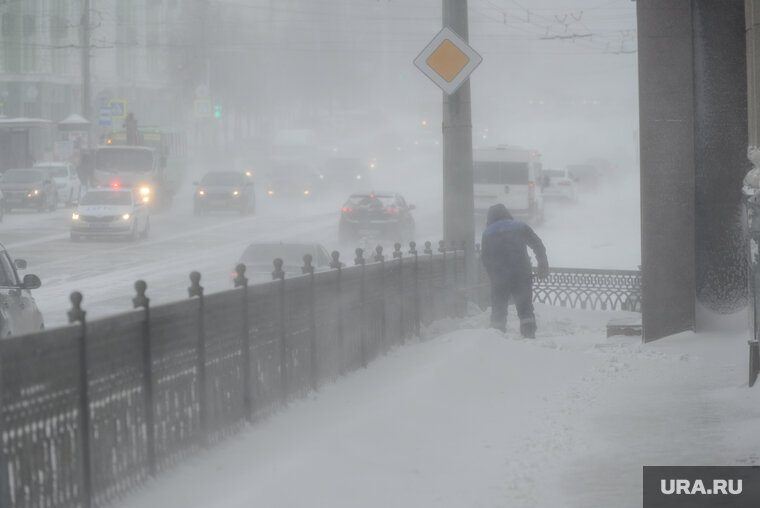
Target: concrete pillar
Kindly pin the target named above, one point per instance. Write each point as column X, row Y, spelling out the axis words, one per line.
column 692, row 107
column 666, row 117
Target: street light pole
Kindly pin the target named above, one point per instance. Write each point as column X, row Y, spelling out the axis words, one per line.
column 85, row 21
column 458, row 199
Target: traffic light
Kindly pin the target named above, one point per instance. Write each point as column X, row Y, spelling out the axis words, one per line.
column 217, row 110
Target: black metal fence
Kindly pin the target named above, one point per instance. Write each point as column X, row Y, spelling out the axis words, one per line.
column 752, row 209
column 91, row 410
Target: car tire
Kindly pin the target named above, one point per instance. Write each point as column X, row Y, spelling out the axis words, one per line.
column 43, row 204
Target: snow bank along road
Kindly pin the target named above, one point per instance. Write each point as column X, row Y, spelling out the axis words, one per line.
column 470, row 417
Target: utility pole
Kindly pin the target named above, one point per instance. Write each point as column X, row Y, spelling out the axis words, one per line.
column 458, row 200
column 85, row 22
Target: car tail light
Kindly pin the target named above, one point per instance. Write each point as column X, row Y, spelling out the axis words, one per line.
column 346, row 209
column 234, row 274
column 531, row 194
column 531, row 184
column 392, row 210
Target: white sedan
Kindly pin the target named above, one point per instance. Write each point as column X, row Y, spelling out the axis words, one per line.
column 66, row 180
column 110, row 212
column 559, row 183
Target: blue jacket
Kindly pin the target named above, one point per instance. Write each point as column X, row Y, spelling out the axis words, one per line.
column 504, row 247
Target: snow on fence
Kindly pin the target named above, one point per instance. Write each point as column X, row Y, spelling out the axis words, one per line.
column 93, row 409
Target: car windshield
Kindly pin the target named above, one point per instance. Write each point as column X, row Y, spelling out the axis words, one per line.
column 265, row 254
column 115, row 198
column 124, row 159
column 501, row 173
column 8, row 276
column 554, row 173
column 371, row 201
column 22, row 176
column 221, row 178
column 55, row 171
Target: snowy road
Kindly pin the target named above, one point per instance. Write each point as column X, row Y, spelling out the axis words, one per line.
column 576, row 235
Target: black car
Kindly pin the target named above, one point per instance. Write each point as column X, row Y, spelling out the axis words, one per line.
column 28, row 188
column 224, row 190
column 382, row 215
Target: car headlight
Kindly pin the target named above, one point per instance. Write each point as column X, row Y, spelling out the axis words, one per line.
column 358, row 177
column 235, row 193
column 126, row 216
column 146, row 199
column 202, row 192
column 144, row 190
column 35, row 191
column 306, row 192
column 75, row 216
column 270, row 192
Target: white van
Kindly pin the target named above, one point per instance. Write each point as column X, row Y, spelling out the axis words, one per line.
column 508, row 175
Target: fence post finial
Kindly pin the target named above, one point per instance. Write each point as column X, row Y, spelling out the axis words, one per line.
column 441, row 246
column 397, row 250
column 195, row 288
column 359, row 259
column 76, row 314
column 379, row 253
column 335, row 264
column 278, row 273
column 140, row 300
column 240, row 278
column 428, row 248
column 413, row 247
column 307, row 267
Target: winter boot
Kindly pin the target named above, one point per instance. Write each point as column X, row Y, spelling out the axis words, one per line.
column 528, row 328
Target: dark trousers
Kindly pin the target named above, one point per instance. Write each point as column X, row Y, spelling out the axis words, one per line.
column 521, row 290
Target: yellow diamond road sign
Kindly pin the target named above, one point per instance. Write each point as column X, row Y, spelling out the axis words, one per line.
column 448, row 60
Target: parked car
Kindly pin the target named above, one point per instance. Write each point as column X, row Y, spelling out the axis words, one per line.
column 28, row 188
column 559, row 183
column 259, row 257
column 224, row 190
column 110, row 212
column 376, row 215
column 18, row 310
column 65, row 178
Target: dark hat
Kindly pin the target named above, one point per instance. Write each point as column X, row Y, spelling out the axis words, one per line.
column 496, row 213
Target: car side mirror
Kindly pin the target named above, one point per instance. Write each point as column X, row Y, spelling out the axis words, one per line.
column 31, row 282
column 20, row 263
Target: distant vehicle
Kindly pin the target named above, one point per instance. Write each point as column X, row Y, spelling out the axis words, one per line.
column 28, row 188
column 291, row 180
column 110, row 212
column 67, row 183
column 226, row 190
column 19, row 312
column 510, row 176
column 559, row 183
column 587, row 176
column 344, row 175
column 376, row 214
column 138, row 167
column 259, row 257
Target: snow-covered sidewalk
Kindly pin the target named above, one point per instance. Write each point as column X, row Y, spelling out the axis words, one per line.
column 471, row 417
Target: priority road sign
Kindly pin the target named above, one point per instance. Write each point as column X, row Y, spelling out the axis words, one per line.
column 448, row 60
column 118, row 109
column 202, row 108
column 104, row 116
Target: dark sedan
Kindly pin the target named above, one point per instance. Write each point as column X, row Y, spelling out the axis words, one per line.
column 224, row 190
column 382, row 215
column 28, row 188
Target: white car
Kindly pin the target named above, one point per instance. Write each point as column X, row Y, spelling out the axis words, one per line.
column 18, row 310
column 66, row 180
column 110, row 212
column 559, row 183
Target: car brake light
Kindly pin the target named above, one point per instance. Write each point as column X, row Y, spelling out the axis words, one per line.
column 348, row 209
column 531, row 184
column 234, row 274
column 115, row 185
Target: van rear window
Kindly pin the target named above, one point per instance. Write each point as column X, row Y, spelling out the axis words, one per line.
column 501, row 173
